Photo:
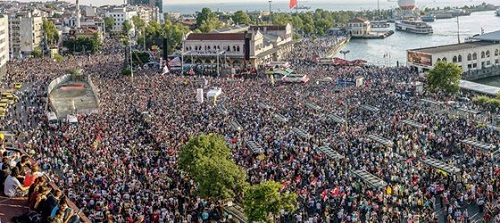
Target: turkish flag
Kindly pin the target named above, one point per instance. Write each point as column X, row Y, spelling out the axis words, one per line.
column 292, row 4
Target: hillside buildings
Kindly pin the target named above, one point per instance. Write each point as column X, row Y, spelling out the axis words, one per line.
column 153, row 3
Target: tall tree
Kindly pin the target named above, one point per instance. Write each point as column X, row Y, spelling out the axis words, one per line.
column 206, row 159
column 206, row 20
column 444, row 77
column 266, row 198
column 109, row 22
column 241, row 17
column 138, row 22
column 50, row 32
column 127, row 26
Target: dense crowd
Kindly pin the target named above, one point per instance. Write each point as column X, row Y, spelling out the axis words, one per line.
column 117, row 167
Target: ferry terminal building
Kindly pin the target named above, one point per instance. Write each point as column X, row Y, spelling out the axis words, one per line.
column 478, row 58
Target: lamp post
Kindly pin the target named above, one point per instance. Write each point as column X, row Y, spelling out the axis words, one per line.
column 345, row 52
column 270, row 20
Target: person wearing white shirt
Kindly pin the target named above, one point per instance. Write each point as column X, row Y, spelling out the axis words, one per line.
column 12, row 186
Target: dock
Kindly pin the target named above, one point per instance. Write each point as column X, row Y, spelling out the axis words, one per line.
column 337, row 48
column 376, row 35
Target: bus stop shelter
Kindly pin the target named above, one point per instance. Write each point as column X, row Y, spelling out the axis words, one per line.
column 264, row 105
column 280, row 118
column 312, row 106
column 336, row 118
column 329, row 152
column 485, row 147
column 369, row 108
column 414, row 124
column 380, row 140
column 235, row 125
column 255, row 147
column 301, row 133
column 437, row 164
column 370, row 179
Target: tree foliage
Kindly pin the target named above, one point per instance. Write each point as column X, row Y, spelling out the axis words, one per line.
column 206, row 20
column 108, row 23
column 83, row 44
column 444, row 77
column 140, row 57
column 37, row 53
column 138, row 22
column 51, row 32
column 206, row 159
column 127, row 26
column 241, row 17
column 265, row 198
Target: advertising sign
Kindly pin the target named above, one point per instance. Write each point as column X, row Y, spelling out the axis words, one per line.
column 418, row 58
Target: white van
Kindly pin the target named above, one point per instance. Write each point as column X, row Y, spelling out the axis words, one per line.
column 72, row 119
column 52, row 119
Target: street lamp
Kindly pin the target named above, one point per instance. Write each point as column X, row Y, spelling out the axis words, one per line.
column 345, row 52
column 270, row 12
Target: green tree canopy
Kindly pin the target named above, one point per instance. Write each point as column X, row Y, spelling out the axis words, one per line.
column 206, row 159
column 241, row 17
column 51, row 32
column 265, row 198
column 138, row 22
column 444, row 77
column 108, row 23
column 206, row 20
column 127, row 26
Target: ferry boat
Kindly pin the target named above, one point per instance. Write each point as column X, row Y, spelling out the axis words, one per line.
column 380, row 24
column 417, row 27
column 302, row 7
column 428, row 18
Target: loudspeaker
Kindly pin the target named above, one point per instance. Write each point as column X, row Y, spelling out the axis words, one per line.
column 247, row 46
column 165, row 49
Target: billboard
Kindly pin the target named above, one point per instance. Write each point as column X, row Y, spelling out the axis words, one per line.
column 418, row 58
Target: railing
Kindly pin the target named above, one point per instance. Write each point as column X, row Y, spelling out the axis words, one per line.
column 482, row 73
column 54, row 187
column 94, row 89
column 53, row 85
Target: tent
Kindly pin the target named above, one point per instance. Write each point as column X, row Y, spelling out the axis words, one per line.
column 176, row 62
column 214, row 93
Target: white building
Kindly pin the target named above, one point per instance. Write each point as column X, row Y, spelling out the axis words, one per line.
column 120, row 14
column 480, row 54
column 265, row 44
column 4, row 43
column 358, row 27
column 25, row 34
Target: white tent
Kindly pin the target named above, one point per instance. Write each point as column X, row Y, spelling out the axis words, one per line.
column 214, row 93
column 176, row 62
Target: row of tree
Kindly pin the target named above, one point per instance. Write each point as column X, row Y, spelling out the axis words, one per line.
column 207, row 160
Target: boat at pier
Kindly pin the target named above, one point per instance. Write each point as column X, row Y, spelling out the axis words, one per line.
column 413, row 26
column 428, row 18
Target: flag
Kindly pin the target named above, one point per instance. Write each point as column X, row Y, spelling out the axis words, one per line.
column 293, row 4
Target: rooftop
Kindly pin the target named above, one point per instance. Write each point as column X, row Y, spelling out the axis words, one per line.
column 216, row 36
column 358, row 20
column 453, row 47
column 481, row 88
column 493, row 36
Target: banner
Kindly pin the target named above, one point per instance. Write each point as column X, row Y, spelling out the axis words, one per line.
column 199, row 95
column 419, row 58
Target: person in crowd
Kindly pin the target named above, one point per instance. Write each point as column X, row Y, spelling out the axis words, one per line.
column 12, row 186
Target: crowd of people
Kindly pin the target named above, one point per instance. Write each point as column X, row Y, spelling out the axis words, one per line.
column 117, row 167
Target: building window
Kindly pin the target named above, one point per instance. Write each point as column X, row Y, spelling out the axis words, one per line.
column 444, row 59
column 439, row 59
column 496, row 52
column 474, row 65
column 469, row 57
column 459, row 58
column 496, row 61
column 488, row 53
column 474, row 56
column 482, row 54
column 454, row 59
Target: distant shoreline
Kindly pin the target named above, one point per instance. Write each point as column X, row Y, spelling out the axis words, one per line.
column 282, row 6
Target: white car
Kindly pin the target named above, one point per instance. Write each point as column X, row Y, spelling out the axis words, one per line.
column 295, row 78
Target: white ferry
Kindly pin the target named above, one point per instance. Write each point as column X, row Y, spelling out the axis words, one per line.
column 411, row 26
